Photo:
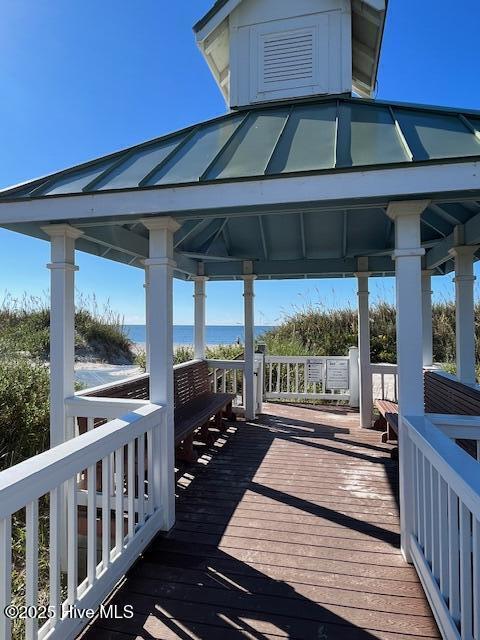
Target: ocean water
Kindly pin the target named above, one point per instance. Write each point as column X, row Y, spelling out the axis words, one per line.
column 183, row 334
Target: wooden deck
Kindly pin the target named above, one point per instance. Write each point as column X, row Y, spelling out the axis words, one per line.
column 287, row 528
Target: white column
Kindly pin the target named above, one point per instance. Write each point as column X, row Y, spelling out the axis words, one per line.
column 160, row 331
column 427, row 331
column 354, row 377
column 199, row 319
column 408, row 269
column 62, row 327
column 465, row 313
column 147, row 338
column 365, row 374
column 249, row 381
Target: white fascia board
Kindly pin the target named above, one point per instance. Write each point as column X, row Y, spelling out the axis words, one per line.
column 194, row 200
column 217, row 19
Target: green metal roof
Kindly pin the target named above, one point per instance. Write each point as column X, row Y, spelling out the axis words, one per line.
column 306, row 136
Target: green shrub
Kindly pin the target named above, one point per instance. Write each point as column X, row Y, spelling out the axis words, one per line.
column 24, row 410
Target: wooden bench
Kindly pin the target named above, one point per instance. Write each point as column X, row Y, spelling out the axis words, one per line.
column 195, row 406
column 388, row 420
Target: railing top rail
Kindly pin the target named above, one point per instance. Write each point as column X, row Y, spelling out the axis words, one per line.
column 456, row 466
column 184, row 365
column 301, row 359
column 384, row 365
column 38, row 475
column 110, row 385
column 226, row 364
column 101, row 407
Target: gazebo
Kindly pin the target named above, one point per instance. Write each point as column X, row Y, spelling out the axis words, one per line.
column 306, row 176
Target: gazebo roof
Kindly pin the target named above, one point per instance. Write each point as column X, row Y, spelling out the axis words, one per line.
column 297, row 188
column 298, row 137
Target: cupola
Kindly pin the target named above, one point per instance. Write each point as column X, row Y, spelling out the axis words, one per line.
column 269, row 50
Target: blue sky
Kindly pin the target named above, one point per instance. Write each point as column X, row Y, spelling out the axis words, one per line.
column 82, row 79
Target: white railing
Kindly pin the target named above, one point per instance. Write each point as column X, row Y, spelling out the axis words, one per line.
column 227, row 377
column 384, row 381
column 48, row 486
column 444, row 534
column 299, row 378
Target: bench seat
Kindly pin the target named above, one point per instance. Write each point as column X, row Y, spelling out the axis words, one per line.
column 199, row 411
column 388, row 419
column 195, row 405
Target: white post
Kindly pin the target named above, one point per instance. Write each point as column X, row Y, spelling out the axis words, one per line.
column 199, row 320
column 465, row 313
column 62, row 327
column 249, row 380
column 160, row 331
column 408, row 269
column 147, row 338
column 353, row 377
column 427, row 331
column 365, row 374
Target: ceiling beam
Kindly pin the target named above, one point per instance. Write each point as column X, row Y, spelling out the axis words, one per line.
column 299, row 268
column 440, row 253
column 263, row 238
column 119, row 238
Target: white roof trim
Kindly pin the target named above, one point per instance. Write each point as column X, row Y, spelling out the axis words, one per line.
column 226, row 10
column 190, row 201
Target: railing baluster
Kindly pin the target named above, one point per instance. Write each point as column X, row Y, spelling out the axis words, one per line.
column 454, row 560
column 466, row 618
column 106, row 512
column 118, row 501
column 131, row 489
column 5, row 575
column 141, row 479
column 72, row 541
column 435, row 522
column 91, row 524
column 288, row 377
column 90, row 423
column 279, row 371
column 427, row 496
column 270, row 370
column 55, row 541
column 296, row 377
column 235, row 386
column 421, row 499
column 224, row 381
column 31, row 568
column 150, row 491
column 443, row 536
column 476, row 576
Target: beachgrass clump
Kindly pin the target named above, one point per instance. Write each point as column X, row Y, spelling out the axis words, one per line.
column 100, row 335
column 318, row 331
column 185, row 353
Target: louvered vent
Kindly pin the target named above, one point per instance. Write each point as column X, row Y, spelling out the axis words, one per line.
column 287, row 59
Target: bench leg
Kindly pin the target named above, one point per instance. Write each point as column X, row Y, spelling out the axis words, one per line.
column 218, row 421
column 380, row 424
column 391, row 433
column 230, row 416
column 186, row 452
column 206, row 435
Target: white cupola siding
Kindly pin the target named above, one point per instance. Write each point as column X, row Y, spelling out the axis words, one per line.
column 268, row 50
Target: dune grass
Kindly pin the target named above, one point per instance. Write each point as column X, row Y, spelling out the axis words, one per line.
column 314, row 330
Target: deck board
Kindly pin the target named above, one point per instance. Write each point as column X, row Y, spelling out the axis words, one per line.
column 286, row 528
